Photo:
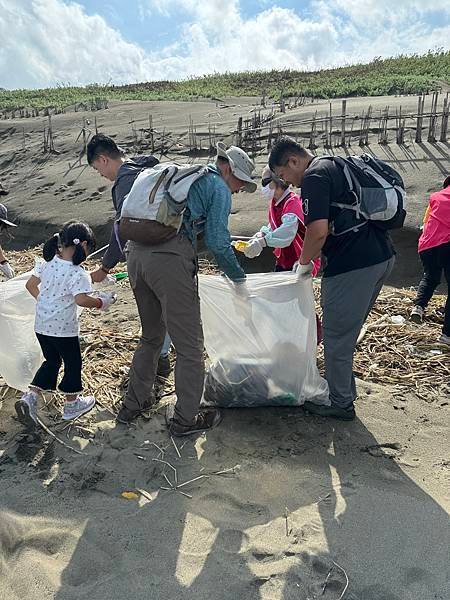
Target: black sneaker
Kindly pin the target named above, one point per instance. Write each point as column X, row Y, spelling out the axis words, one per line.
column 344, row 414
column 127, row 415
column 205, row 419
column 164, row 367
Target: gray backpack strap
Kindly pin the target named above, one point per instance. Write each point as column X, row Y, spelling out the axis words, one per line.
column 353, row 185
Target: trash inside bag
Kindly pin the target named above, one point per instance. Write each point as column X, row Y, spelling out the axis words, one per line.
column 261, row 338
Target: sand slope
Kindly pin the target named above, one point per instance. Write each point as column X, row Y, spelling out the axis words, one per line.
column 310, row 502
column 48, row 189
column 66, row 533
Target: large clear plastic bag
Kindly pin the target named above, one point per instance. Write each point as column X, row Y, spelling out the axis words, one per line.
column 20, row 353
column 261, row 338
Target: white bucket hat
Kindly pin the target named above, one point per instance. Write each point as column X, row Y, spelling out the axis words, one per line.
column 241, row 164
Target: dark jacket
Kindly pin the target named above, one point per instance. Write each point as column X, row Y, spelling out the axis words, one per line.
column 122, row 185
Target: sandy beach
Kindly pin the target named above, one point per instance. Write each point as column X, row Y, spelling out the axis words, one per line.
column 305, row 505
column 277, row 504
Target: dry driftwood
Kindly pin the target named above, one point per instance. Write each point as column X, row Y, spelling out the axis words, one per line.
column 406, row 356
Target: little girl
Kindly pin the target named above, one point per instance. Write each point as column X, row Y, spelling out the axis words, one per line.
column 59, row 285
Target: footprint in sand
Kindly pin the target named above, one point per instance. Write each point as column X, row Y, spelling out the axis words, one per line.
column 319, row 566
column 76, row 193
column 233, row 541
column 18, row 536
column 264, row 556
column 376, row 592
column 46, row 186
column 233, row 509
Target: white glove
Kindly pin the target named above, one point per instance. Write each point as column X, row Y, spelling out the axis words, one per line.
column 7, row 270
column 107, row 299
column 303, row 271
column 254, row 247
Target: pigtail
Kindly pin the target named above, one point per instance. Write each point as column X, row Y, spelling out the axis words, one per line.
column 51, row 248
column 78, row 235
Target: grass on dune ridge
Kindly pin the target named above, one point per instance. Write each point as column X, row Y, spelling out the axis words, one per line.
column 404, row 74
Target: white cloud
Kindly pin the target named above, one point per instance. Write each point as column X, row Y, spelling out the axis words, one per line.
column 48, row 41
column 366, row 12
column 44, row 42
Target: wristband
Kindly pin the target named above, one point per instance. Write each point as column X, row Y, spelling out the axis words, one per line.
column 104, row 270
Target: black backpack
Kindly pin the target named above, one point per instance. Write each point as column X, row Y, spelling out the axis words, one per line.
column 377, row 192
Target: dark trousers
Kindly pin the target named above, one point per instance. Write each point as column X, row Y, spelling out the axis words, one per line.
column 56, row 351
column 435, row 262
column 163, row 280
column 347, row 300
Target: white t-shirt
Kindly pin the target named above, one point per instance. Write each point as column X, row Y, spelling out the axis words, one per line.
column 56, row 310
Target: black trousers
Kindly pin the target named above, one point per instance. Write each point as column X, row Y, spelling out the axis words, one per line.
column 56, row 351
column 435, row 262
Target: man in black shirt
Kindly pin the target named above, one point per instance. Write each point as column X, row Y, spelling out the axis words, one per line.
column 357, row 262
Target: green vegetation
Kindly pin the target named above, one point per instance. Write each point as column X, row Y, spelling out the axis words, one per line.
column 399, row 75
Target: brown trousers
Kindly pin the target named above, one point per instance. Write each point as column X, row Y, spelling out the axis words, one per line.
column 163, row 280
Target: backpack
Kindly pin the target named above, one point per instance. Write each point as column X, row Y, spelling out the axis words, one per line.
column 377, row 190
column 152, row 212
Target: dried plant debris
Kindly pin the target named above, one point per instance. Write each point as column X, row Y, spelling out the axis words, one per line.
column 391, row 349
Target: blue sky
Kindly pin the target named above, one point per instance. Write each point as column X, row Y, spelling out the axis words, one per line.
column 153, row 29
column 46, row 42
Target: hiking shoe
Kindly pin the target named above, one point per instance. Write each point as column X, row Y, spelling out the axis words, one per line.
column 344, row 414
column 205, row 419
column 26, row 409
column 77, row 408
column 417, row 314
column 127, row 415
column 164, row 366
column 444, row 339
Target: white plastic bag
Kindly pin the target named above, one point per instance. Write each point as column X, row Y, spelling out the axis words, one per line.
column 20, row 353
column 261, row 338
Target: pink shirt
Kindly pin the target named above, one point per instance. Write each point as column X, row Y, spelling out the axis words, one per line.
column 286, row 257
column 436, row 230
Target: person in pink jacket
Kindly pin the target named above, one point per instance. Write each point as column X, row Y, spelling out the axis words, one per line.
column 434, row 252
column 286, row 229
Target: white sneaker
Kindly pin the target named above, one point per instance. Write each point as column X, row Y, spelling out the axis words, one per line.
column 80, row 406
column 444, row 339
column 26, row 409
column 417, row 314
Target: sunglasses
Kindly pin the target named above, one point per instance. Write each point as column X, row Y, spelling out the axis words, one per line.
column 266, row 181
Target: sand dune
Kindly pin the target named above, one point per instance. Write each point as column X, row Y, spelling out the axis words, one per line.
column 313, row 509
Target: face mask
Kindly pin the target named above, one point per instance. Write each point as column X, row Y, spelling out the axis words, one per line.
column 267, row 192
